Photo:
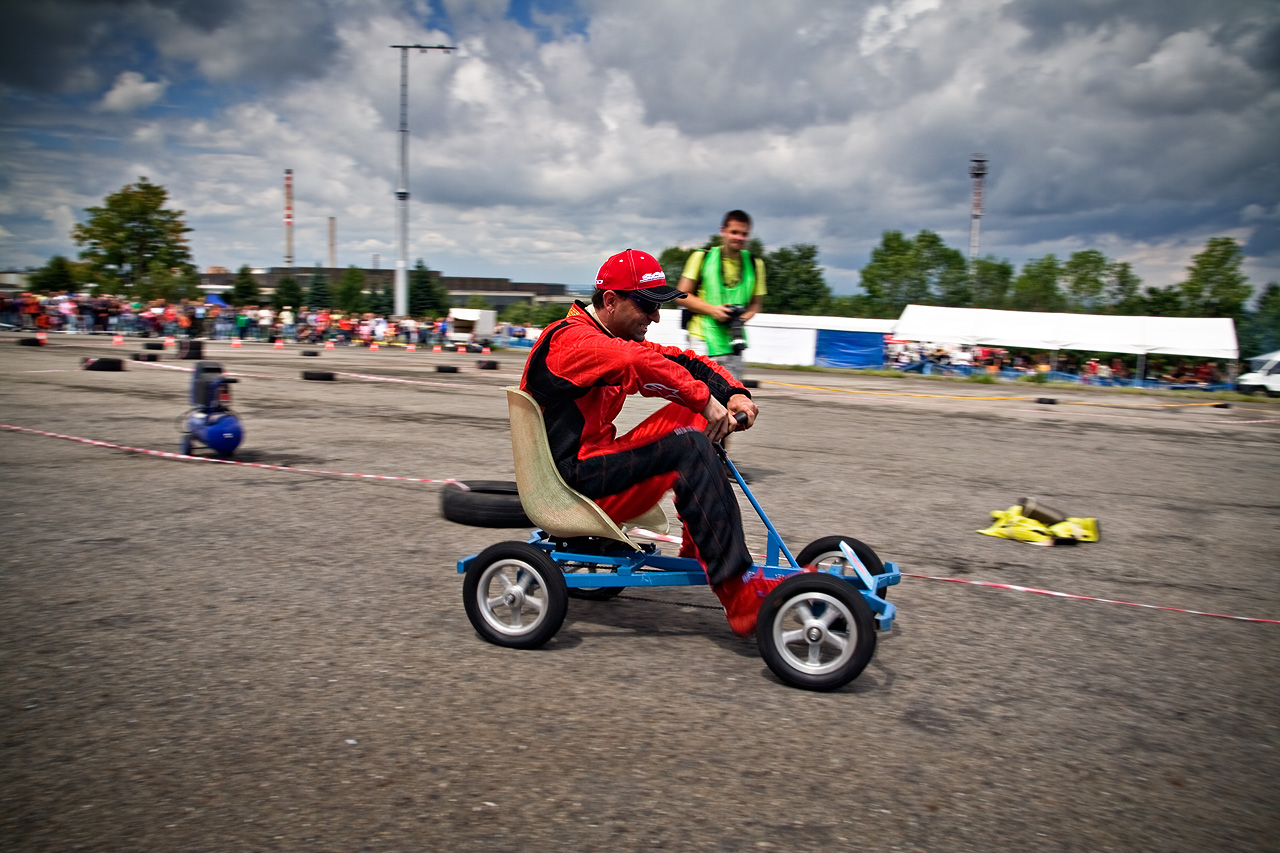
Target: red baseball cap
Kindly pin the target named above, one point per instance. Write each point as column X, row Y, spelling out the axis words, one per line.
column 638, row 272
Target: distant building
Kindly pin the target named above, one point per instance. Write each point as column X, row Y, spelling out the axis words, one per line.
column 498, row 292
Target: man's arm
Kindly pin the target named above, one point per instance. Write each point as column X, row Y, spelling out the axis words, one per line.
column 697, row 304
column 756, row 305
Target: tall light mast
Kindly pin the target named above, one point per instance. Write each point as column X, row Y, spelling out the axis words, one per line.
column 288, row 218
column 402, row 187
column 977, row 171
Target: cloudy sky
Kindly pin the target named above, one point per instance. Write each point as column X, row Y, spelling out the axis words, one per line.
column 559, row 132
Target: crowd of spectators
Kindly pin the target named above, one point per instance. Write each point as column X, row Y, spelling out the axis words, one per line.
column 87, row 315
column 1067, row 366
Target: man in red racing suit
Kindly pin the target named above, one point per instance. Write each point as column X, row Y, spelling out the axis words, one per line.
column 581, row 371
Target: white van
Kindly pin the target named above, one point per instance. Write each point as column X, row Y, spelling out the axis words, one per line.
column 1265, row 378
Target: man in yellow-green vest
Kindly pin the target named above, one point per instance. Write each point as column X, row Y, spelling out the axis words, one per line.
column 726, row 288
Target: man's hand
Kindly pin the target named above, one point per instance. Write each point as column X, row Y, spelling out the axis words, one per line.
column 743, row 403
column 719, row 313
column 719, row 422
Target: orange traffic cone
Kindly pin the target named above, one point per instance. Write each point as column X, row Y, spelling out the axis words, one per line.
column 436, row 348
column 235, row 343
column 279, row 343
column 117, row 339
column 328, row 345
column 484, row 350
column 411, row 348
column 373, row 346
column 462, row 349
column 42, row 338
column 168, row 341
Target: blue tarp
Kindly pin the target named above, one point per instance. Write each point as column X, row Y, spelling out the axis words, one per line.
column 849, row 349
column 215, row 299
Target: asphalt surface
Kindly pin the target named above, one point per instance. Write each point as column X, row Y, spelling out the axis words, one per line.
column 197, row 656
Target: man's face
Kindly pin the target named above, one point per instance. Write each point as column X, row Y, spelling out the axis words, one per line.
column 734, row 235
column 626, row 319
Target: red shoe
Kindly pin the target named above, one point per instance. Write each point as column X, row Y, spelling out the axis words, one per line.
column 742, row 597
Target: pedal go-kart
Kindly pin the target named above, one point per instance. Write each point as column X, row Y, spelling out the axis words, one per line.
column 816, row 629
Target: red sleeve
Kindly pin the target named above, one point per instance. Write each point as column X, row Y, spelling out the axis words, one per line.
column 637, row 368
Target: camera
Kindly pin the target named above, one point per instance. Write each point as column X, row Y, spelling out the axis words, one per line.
column 737, row 330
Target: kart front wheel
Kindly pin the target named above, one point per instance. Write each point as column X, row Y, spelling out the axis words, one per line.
column 515, row 595
column 815, row 631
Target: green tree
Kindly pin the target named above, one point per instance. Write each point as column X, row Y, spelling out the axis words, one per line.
column 427, row 296
column 1084, row 275
column 519, row 314
column 476, row 300
column 922, row 271
column 1162, row 302
column 991, row 280
column 1215, row 286
column 856, row 305
column 1036, row 288
column 130, row 232
column 288, row 292
column 54, row 277
column 349, row 297
column 1123, row 289
column 548, row 312
column 244, row 290
column 795, row 282
column 1261, row 329
column 381, row 300
column 318, row 295
column 673, row 259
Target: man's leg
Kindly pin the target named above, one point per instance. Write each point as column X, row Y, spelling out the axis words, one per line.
column 629, row 480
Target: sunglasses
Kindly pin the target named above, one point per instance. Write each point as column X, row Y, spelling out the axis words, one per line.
column 648, row 306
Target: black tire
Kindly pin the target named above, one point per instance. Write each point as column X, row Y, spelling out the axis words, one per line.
column 145, row 356
column 318, row 375
column 591, row 593
column 826, row 650
column 1271, row 393
column 110, row 365
column 30, row 342
column 446, row 368
column 310, row 352
column 504, row 582
column 825, row 552
column 750, row 383
column 153, row 345
column 1248, row 390
column 488, row 503
column 487, row 365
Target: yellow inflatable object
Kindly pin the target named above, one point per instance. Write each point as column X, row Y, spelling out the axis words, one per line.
column 1012, row 524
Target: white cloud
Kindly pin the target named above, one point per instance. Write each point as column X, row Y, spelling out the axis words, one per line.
column 131, row 93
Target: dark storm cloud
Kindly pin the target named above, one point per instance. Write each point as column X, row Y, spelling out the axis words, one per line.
column 80, row 45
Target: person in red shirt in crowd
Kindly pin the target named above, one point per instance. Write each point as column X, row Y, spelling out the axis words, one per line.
column 581, row 371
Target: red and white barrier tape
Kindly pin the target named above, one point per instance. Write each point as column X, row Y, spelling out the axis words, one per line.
column 162, row 454
column 662, row 537
column 1037, row 591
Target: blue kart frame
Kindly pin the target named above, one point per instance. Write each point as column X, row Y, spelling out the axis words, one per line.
column 816, row 630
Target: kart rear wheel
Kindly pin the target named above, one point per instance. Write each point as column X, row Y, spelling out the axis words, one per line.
column 815, row 631
column 825, row 553
column 515, row 595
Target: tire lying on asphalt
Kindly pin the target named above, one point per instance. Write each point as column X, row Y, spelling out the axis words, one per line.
column 153, row 345
column 318, row 375
column 30, row 342
column 486, row 503
column 487, row 365
column 750, row 383
column 446, row 368
column 110, row 365
column 310, row 352
column 145, row 356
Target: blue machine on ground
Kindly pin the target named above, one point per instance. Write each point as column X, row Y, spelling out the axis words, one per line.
column 210, row 421
column 816, row 630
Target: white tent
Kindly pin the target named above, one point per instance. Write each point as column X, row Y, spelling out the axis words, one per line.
column 1205, row 337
